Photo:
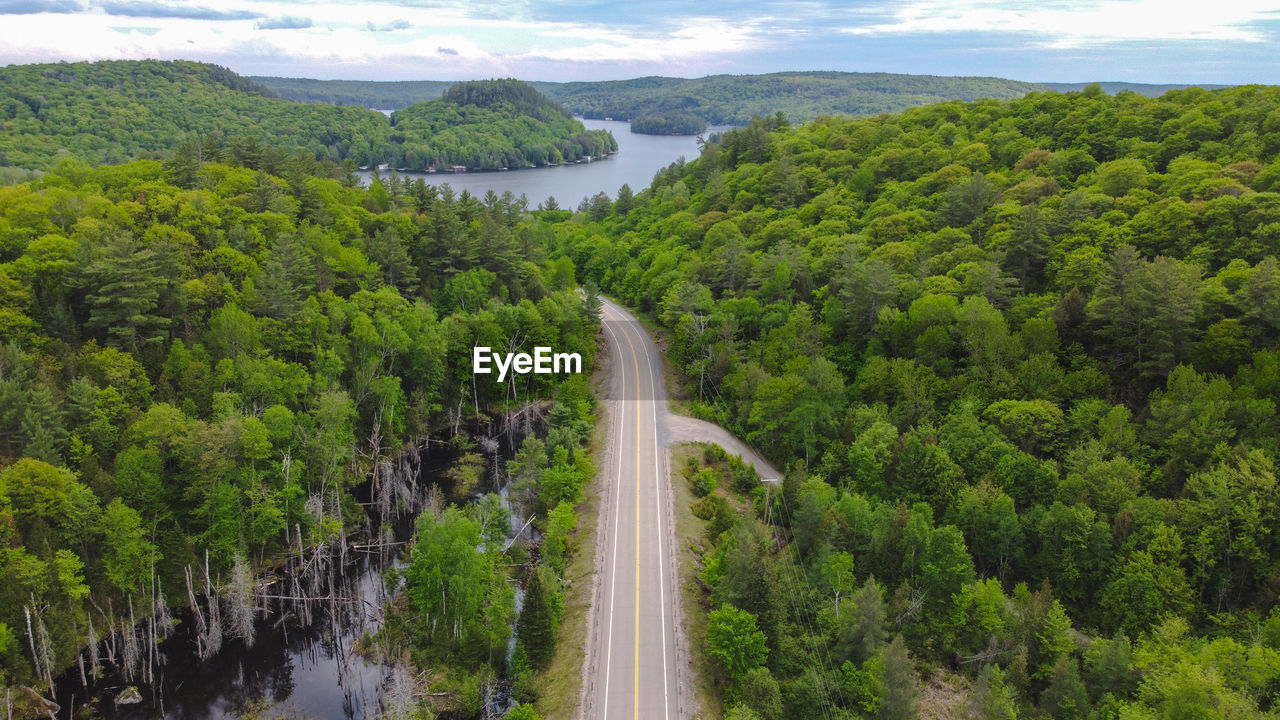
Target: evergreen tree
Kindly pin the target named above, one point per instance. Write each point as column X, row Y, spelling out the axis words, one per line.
column 386, row 249
column 625, row 202
column 1117, row 310
column 863, row 623
column 124, row 284
column 42, row 428
column 1028, row 245
column 991, row 699
column 288, row 271
column 758, row 690
column 536, row 626
column 1066, row 697
column 1110, row 666
column 898, row 684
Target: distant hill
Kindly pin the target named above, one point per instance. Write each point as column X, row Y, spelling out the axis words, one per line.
column 113, row 111
column 663, row 105
column 718, row 99
column 801, row 96
column 378, row 95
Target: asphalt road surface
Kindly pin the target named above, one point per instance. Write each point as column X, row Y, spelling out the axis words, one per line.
column 632, row 654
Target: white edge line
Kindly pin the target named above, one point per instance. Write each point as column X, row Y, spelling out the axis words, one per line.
column 613, row 570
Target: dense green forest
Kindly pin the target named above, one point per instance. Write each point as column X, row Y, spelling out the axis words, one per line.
column 1020, row 360
column 202, row 359
column 112, row 111
column 491, row 125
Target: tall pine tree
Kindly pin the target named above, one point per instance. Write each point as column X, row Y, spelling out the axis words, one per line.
column 124, row 283
column 536, row 631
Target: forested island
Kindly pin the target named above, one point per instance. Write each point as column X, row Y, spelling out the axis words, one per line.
column 1020, row 360
column 492, row 125
column 669, row 122
column 112, row 111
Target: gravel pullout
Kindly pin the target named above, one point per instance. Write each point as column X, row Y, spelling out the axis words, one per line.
column 681, row 429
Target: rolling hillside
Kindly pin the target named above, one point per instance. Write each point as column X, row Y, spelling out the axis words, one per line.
column 114, row 111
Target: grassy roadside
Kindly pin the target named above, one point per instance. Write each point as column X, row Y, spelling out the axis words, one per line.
column 561, row 682
column 690, row 533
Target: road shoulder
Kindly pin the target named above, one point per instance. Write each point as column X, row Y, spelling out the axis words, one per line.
column 567, row 680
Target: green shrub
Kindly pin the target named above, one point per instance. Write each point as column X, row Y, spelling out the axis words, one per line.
column 703, row 482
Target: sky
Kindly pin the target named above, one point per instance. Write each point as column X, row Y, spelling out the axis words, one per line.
column 1047, row 40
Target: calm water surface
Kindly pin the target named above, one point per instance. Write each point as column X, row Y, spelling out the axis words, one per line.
column 638, row 158
column 290, row 672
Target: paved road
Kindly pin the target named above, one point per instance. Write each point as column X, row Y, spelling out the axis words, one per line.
column 637, row 661
column 632, row 652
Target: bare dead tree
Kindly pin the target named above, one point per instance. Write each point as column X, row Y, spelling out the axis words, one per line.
column 490, row 446
column 92, row 641
column 112, row 653
column 399, row 698
column 211, row 641
column 41, row 649
column 164, row 619
column 131, row 658
column 201, row 623
column 238, row 601
column 434, row 502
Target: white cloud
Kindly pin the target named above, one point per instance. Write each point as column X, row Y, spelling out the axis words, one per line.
column 523, row 38
column 698, row 37
column 332, row 41
column 1078, row 24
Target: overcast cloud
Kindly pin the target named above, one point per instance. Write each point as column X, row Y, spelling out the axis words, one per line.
column 1138, row 40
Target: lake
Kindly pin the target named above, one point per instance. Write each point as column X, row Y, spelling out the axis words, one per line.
column 638, row 158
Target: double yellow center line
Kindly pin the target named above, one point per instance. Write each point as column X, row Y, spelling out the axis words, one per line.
column 635, row 365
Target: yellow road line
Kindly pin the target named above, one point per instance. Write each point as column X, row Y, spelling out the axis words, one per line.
column 635, row 365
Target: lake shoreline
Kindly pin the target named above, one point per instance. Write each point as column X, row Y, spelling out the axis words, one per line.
column 634, row 163
column 473, row 171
